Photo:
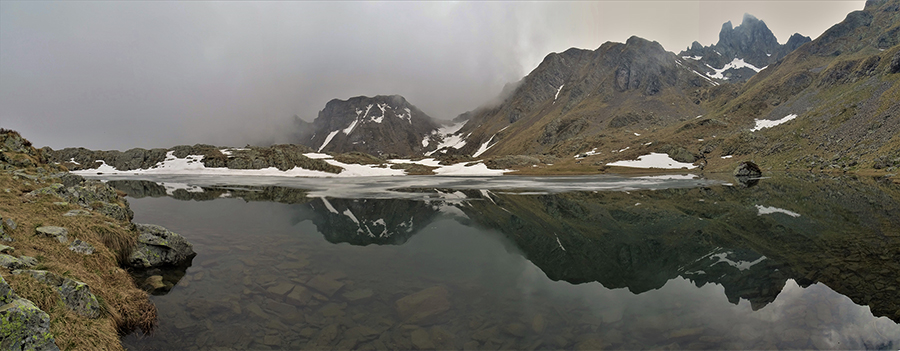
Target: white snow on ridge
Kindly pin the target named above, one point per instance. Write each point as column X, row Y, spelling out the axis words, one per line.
column 653, row 160
column 449, row 140
column 763, row 210
column 350, row 128
column 764, row 123
column 557, row 92
column 328, row 139
column 314, row 155
column 695, row 58
column 734, row 64
column 484, row 147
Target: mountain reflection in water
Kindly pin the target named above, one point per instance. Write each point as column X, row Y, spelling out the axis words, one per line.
column 797, row 249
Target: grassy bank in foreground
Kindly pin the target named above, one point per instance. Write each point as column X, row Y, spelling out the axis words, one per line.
column 123, row 307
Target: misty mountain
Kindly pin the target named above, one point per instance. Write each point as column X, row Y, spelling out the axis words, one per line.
column 622, row 101
column 743, row 50
column 377, row 125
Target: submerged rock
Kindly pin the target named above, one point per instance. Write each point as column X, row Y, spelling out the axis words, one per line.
column 423, row 306
column 157, row 246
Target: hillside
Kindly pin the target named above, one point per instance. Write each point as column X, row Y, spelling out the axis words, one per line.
column 837, row 96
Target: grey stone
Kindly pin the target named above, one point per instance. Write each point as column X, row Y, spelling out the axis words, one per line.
column 325, row 285
column 747, row 169
column 25, row 327
column 77, row 296
column 11, row 263
column 7, row 294
column 58, row 233
column 81, row 247
column 6, row 249
column 158, row 246
column 74, row 213
column 11, row 224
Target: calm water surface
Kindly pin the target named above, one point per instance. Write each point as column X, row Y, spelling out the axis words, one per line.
column 434, row 263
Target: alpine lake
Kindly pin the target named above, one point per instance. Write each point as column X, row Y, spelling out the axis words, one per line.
column 793, row 261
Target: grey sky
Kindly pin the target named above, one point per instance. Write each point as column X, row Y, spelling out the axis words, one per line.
column 116, row 75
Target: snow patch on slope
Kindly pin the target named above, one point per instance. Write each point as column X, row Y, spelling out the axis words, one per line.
column 737, row 63
column 653, row 160
column 764, row 123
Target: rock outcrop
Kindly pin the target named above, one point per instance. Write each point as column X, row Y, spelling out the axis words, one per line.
column 749, row 43
column 23, row 326
column 282, row 157
column 157, row 246
column 90, row 194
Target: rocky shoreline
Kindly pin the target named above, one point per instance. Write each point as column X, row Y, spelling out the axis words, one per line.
column 67, row 239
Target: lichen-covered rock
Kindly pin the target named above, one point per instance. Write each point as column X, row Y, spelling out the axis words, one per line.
column 11, row 224
column 77, row 296
column 7, row 294
column 11, row 262
column 58, row 233
column 6, row 249
column 157, row 246
column 81, row 247
column 114, row 211
column 23, row 326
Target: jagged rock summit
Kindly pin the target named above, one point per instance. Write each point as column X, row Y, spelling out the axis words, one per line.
column 743, row 50
column 377, row 125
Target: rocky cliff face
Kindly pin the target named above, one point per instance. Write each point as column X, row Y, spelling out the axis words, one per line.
column 377, row 125
column 742, row 51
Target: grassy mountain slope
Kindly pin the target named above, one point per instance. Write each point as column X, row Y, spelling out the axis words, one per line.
column 627, row 100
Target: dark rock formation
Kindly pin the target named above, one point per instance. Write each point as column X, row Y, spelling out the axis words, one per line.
column 377, row 125
column 751, row 41
column 157, row 246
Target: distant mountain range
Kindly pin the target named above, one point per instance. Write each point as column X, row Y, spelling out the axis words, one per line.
column 624, row 100
column 829, row 104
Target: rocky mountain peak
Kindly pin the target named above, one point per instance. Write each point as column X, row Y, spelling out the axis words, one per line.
column 743, row 50
column 383, row 124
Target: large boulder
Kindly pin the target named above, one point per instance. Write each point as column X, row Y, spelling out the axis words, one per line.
column 157, row 246
column 23, row 326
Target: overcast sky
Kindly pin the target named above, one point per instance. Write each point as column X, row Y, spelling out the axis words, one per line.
column 117, row 75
